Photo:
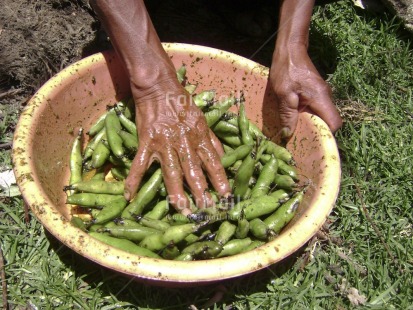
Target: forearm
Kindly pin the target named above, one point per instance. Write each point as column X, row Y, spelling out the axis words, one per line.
column 294, row 24
column 136, row 42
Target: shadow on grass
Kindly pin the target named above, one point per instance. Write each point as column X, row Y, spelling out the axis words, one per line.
column 137, row 293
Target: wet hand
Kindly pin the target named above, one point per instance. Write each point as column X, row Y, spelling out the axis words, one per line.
column 174, row 132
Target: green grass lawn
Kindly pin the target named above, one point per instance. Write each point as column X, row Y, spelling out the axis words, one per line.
column 362, row 256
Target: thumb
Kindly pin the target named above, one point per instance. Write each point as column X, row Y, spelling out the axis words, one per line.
column 288, row 111
column 323, row 106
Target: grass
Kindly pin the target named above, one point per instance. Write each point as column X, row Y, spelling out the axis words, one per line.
column 364, row 254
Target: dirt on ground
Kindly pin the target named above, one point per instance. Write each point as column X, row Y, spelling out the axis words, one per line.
column 39, row 38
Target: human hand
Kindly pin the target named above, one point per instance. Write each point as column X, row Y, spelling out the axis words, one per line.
column 174, row 132
column 297, row 85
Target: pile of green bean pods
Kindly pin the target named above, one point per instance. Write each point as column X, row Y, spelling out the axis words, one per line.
column 262, row 175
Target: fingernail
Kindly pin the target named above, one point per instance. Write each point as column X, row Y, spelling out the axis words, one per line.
column 285, row 132
column 126, row 194
column 186, row 212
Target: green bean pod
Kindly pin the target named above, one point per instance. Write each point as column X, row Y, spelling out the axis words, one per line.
column 256, row 132
column 181, row 74
column 225, row 232
column 281, row 195
column 127, row 106
column 98, row 187
column 265, row 158
column 204, row 99
column 284, row 214
column 100, row 155
column 176, row 219
column 76, row 159
column 265, row 179
column 285, row 182
column 213, row 116
column 259, row 229
column 78, row 223
column 190, row 88
column 227, row 148
column 262, row 147
column 260, row 206
column 97, row 126
column 129, row 140
column 111, row 210
column 159, row 211
column 243, row 228
column 170, row 252
column 279, row 152
column 244, row 125
column 284, row 168
column 225, row 128
column 204, row 249
column 229, row 138
column 238, row 154
column 175, row 234
column 136, row 233
column 122, row 162
column 113, row 126
column 191, row 238
column 153, row 242
column 99, row 174
column 243, row 176
column 144, row 196
column 123, row 244
column 90, row 199
column 120, row 173
column 152, row 223
column 234, row 168
column 162, row 190
column 237, row 211
column 126, row 123
column 93, row 143
column 234, row 246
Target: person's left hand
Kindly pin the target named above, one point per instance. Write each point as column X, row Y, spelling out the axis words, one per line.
column 297, row 84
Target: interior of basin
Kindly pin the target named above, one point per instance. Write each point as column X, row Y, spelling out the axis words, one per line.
column 75, row 98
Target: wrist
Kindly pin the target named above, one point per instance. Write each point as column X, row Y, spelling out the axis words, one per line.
column 290, row 48
column 157, row 90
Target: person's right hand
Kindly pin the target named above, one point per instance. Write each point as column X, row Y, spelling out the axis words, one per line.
column 174, row 132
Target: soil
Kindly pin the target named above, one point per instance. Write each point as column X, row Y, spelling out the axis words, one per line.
column 39, row 38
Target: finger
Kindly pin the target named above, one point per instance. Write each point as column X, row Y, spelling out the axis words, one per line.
column 323, row 106
column 288, row 111
column 194, row 175
column 173, row 179
column 216, row 144
column 212, row 164
column 139, row 166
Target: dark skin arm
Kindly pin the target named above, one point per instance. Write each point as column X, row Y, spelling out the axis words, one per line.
column 294, row 78
column 171, row 129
